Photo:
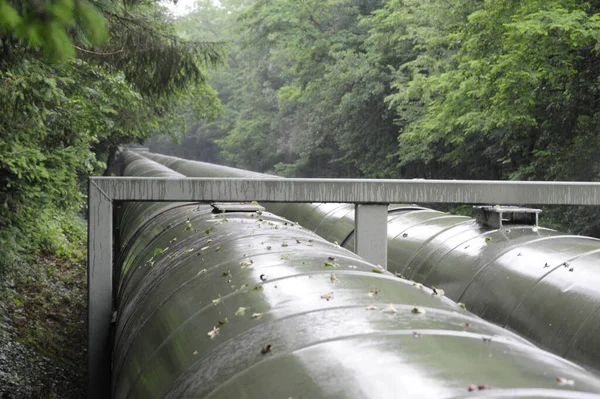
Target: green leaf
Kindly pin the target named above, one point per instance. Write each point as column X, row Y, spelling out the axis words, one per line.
column 241, row 310
column 62, row 10
column 59, row 46
column 9, row 17
column 92, row 22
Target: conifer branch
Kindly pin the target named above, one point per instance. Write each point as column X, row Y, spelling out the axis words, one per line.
column 99, row 53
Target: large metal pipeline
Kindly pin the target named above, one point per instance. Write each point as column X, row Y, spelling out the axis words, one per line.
column 535, row 281
column 228, row 301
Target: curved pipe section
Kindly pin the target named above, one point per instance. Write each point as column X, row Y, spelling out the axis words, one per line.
column 250, row 304
column 534, row 281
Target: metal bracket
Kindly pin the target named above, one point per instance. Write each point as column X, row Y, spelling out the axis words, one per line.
column 223, row 207
column 498, row 216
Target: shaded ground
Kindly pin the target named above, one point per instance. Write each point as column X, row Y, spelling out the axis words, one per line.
column 42, row 330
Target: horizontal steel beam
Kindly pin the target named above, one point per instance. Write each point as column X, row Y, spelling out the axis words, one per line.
column 358, row 191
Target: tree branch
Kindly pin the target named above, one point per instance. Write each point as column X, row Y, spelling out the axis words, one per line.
column 312, row 17
column 99, row 53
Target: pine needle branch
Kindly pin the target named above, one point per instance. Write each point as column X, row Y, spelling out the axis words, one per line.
column 99, row 53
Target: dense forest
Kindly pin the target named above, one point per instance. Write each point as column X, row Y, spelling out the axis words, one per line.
column 465, row 89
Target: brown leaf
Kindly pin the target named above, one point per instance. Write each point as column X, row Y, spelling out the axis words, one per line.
column 212, row 333
column 390, row 309
column 328, row 296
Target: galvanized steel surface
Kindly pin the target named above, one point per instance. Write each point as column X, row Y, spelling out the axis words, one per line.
column 360, row 191
column 100, row 282
column 535, row 281
column 385, row 191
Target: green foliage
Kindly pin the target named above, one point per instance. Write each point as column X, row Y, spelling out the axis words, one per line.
column 48, row 124
column 154, row 59
column 48, row 24
column 485, row 91
column 299, row 92
column 473, row 89
column 62, row 117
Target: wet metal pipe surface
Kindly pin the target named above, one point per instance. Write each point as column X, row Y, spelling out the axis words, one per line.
column 532, row 280
column 248, row 304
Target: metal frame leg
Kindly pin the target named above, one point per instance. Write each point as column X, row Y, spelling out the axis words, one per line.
column 100, row 258
column 370, row 233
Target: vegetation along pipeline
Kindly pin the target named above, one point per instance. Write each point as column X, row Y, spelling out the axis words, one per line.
column 535, row 281
column 221, row 300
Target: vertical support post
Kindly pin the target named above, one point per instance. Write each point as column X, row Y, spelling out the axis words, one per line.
column 100, row 257
column 370, row 233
